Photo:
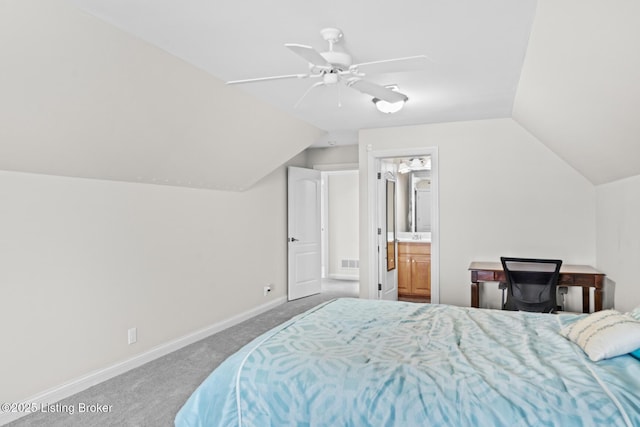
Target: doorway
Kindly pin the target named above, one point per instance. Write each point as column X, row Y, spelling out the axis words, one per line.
column 416, row 237
column 323, row 232
column 340, row 263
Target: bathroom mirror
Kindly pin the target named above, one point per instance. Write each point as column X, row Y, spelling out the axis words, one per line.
column 391, row 224
column 414, row 202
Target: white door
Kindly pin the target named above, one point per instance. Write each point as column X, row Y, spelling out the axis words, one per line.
column 304, row 232
column 388, row 258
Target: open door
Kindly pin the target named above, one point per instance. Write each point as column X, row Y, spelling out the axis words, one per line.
column 304, row 228
column 387, row 262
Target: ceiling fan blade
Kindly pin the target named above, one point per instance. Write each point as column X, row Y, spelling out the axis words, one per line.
column 262, row 79
column 377, row 91
column 313, row 86
column 410, row 63
column 309, row 54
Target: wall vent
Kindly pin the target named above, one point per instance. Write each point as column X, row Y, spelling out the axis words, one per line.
column 350, row 263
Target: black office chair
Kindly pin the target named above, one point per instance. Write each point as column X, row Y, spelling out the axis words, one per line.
column 531, row 284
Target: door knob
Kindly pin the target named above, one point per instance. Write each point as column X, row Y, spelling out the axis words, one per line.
column 293, row 239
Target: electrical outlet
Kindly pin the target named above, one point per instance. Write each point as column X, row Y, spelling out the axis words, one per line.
column 267, row 289
column 132, row 335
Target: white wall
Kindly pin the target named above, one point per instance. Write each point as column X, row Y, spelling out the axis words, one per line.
column 501, row 193
column 343, row 222
column 84, row 260
column 332, row 158
column 618, row 239
column 583, row 108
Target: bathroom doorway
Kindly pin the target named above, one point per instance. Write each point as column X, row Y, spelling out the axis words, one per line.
column 416, row 237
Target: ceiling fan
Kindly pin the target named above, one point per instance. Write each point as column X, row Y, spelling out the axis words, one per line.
column 333, row 67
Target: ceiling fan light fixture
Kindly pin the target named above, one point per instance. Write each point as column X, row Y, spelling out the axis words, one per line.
column 389, row 107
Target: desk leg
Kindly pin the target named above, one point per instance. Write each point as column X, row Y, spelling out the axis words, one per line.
column 585, row 300
column 598, row 293
column 597, row 302
column 475, row 295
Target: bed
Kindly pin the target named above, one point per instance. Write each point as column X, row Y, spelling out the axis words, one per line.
column 353, row 362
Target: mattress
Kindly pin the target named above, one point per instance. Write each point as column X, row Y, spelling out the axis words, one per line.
column 353, row 362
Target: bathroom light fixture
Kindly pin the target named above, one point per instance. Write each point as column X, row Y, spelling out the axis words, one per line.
column 414, row 164
column 417, row 163
column 389, row 107
column 404, row 168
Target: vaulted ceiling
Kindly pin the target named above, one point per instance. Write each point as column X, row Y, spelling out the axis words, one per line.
column 475, row 52
column 578, row 89
column 566, row 70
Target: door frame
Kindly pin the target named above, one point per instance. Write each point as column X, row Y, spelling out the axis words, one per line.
column 322, row 168
column 374, row 158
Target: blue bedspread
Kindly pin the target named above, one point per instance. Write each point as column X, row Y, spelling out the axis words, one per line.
column 354, row 362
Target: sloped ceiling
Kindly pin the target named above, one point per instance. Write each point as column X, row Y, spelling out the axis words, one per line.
column 80, row 98
column 476, row 51
column 579, row 92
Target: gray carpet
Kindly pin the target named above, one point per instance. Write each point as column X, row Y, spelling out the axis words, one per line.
column 152, row 394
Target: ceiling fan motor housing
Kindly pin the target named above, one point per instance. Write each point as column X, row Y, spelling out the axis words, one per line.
column 339, row 60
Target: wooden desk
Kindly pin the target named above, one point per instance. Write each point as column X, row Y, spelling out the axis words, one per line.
column 570, row 275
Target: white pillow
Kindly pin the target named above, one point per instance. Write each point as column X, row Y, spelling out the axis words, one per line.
column 635, row 313
column 605, row 334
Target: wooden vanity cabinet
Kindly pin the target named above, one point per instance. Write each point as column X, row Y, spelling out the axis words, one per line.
column 414, row 269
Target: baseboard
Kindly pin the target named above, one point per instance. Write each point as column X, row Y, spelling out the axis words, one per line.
column 70, row 388
column 353, row 277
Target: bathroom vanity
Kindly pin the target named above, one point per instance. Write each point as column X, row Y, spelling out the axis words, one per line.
column 414, row 269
